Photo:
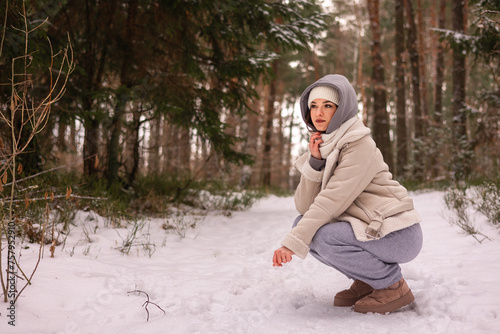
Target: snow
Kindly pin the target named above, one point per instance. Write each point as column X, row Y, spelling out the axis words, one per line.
column 219, row 279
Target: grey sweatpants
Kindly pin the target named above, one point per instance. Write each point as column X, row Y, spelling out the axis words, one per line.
column 375, row 262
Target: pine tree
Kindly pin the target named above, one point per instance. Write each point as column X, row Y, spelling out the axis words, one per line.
column 192, row 62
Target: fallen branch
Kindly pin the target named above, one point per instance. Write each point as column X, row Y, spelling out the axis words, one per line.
column 147, row 302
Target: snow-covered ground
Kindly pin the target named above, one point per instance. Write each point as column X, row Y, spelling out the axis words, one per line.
column 220, row 279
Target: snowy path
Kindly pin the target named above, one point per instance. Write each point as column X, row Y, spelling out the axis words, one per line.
column 219, row 279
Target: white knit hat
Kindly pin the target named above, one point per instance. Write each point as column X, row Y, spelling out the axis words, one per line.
column 323, row 92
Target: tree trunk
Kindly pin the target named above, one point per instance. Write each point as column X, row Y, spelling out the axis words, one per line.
column 91, row 147
column 250, row 175
column 436, row 159
column 359, row 78
column 233, row 123
column 315, row 63
column 268, row 131
column 72, row 137
column 154, row 146
column 418, row 165
column 267, row 142
column 422, row 49
column 288, row 155
column 93, row 59
column 123, row 95
column 381, row 117
column 62, row 138
column 114, row 148
column 438, row 88
column 169, row 148
column 460, row 167
column 184, row 151
column 401, row 134
column 279, row 148
column 134, row 143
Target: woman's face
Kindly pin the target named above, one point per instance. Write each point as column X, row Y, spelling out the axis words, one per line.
column 322, row 112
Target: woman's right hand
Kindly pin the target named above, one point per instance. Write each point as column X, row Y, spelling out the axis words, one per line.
column 282, row 255
column 314, row 145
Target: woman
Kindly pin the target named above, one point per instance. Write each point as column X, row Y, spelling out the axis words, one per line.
column 353, row 216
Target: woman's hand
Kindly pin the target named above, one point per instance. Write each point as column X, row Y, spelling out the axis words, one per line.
column 314, row 145
column 282, row 255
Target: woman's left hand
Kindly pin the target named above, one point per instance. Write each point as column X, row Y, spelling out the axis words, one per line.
column 282, row 255
column 314, row 145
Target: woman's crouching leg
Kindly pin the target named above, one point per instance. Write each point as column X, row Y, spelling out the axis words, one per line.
column 335, row 245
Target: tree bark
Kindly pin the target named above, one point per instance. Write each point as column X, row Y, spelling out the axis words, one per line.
column 280, row 147
column 167, row 147
column 251, row 174
column 133, row 143
column 91, row 147
column 154, row 146
column 381, row 125
column 184, row 151
column 461, row 167
column 113, row 147
column 123, row 94
column 422, row 50
column 359, row 78
column 288, row 156
column 401, row 131
column 412, row 42
column 438, row 88
column 94, row 56
column 268, row 131
column 458, row 71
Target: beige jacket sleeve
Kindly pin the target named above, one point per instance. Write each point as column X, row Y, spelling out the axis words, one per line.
column 307, row 189
column 356, row 169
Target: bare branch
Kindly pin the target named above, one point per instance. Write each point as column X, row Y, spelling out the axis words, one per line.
column 4, row 27
column 147, row 302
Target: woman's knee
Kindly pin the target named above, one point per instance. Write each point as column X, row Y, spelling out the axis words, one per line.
column 338, row 233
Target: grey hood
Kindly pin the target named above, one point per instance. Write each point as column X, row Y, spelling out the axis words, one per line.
column 348, row 102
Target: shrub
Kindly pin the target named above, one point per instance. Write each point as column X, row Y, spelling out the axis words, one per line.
column 465, row 200
column 488, row 201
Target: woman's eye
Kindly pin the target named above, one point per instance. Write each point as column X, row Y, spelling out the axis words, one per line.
column 328, row 106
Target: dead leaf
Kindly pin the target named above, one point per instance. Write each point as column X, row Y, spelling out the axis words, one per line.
column 52, row 248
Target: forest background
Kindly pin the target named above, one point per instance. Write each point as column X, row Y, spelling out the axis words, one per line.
column 144, row 107
column 144, row 100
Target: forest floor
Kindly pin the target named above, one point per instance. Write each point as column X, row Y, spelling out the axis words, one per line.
column 218, row 278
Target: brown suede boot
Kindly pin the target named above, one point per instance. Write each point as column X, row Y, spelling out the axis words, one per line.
column 350, row 296
column 386, row 300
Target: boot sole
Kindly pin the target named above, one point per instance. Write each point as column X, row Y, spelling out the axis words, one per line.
column 389, row 307
column 345, row 302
